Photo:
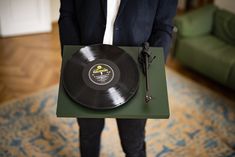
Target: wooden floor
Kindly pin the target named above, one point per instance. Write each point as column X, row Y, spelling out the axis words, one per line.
column 32, row 63
column 29, row 64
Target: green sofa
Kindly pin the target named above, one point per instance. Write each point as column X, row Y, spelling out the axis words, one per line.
column 205, row 42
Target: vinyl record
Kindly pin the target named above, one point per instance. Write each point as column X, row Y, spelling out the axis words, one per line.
column 101, row 77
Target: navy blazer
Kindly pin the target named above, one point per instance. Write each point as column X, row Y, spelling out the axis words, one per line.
column 82, row 22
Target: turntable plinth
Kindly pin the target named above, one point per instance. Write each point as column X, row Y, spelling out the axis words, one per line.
column 157, row 108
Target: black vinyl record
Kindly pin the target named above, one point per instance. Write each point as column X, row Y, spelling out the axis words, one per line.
column 101, row 77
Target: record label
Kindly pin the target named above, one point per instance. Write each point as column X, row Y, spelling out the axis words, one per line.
column 101, row 74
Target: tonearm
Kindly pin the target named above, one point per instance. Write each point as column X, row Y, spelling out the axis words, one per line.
column 145, row 59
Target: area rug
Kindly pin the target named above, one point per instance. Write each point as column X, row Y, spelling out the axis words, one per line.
column 202, row 123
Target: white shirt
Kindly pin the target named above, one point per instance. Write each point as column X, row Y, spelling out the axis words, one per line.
column 112, row 10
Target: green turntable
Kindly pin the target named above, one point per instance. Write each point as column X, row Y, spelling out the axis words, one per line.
column 136, row 107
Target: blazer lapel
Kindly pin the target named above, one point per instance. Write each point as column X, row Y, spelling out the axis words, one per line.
column 121, row 8
column 104, row 7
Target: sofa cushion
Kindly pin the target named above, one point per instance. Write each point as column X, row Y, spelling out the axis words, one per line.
column 224, row 26
column 197, row 22
column 208, row 55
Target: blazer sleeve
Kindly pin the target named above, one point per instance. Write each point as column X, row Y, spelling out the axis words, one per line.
column 163, row 25
column 68, row 24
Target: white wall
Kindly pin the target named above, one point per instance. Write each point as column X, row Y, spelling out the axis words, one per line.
column 55, row 6
column 226, row 4
column 21, row 17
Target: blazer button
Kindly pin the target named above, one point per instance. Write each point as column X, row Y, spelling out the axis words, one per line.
column 116, row 28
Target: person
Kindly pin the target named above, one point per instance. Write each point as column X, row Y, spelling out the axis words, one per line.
column 119, row 23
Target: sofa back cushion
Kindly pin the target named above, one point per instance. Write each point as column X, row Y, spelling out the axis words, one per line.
column 224, row 26
column 197, row 22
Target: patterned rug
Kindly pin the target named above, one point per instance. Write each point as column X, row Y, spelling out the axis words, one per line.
column 202, row 123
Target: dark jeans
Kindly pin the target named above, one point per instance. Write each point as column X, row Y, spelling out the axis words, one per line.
column 131, row 132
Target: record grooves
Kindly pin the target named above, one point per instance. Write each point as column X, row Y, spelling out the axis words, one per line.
column 100, row 77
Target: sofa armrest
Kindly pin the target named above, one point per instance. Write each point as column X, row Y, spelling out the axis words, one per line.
column 230, row 82
column 195, row 23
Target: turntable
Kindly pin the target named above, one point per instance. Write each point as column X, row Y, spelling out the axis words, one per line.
column 104, row 81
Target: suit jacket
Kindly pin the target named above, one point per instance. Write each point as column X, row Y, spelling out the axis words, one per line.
column 82, row 22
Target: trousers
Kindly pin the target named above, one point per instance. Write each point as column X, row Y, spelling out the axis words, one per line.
column 131, row 132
